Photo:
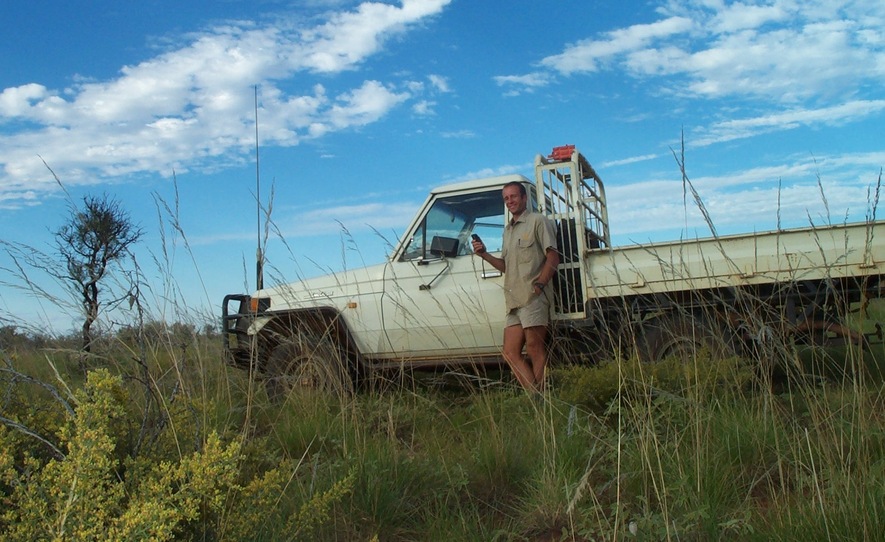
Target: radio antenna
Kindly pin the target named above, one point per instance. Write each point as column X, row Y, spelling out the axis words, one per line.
column 259, row 256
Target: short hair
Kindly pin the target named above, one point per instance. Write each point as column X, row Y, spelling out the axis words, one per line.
column 521, row 186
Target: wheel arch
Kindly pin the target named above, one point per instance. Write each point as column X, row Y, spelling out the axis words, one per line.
column 319, row 321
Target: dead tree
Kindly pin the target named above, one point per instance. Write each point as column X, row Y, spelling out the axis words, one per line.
column 94, row 237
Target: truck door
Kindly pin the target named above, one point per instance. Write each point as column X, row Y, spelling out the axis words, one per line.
column 439, row 300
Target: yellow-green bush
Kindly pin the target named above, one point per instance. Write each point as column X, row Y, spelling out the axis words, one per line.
column 98, row 490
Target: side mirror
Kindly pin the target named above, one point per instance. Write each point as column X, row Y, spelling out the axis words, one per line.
column 444, row 246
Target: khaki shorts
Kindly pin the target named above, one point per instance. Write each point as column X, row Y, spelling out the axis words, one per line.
column 535, row 313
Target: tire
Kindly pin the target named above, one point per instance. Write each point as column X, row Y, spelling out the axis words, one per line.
column 683, row 336
column 307, row 362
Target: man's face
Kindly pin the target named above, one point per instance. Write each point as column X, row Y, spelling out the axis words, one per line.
column 514, row 200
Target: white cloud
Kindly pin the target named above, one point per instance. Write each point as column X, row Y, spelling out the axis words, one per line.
column 786, row 65
column 349, row 37
column 740, row 16
column 522, row 83
column 780, row 50
column 493, row 172
column 586, row 56
column 16, row 101
column 364, row 105
column 460, row 134
column 630, row 160
column 438, row 85
column 355, row 218
column 439, row 82
column 193, row 105
column 423, row 108
column 785, row 120
column 822, row 189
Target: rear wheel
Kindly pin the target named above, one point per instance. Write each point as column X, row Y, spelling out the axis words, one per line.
column 307, row 361
column 683, row 336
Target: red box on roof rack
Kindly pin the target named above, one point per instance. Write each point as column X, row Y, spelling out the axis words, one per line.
column 562, row 153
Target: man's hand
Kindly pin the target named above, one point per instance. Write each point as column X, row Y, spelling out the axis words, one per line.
column 479, row 248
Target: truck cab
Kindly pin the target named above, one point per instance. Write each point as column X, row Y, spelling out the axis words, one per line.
column 438, row 301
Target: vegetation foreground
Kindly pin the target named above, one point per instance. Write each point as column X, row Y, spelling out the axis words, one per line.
column 163, row 442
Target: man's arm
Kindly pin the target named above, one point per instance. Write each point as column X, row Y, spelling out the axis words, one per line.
column 479, row 248
column 547, row 270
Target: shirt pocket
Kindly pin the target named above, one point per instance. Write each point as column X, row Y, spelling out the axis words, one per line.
column 526, row 250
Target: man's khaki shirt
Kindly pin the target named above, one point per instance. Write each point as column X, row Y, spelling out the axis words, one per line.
column 524, row 252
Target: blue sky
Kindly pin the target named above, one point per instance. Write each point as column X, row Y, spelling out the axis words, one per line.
column 363, row 106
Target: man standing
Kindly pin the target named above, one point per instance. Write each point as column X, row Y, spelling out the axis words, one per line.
column 529, row 260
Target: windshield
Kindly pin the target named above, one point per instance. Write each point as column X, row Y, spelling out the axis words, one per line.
column 457, row 217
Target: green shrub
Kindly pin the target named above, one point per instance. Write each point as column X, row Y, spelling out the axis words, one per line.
column 98, row 491
column 598, row 387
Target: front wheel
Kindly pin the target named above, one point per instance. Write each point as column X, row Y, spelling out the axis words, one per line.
column 307, row 362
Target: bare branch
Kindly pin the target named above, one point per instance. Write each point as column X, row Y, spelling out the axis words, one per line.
column 22, row 429
column 16, row 376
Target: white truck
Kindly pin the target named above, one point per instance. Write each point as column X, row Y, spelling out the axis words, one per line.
column 432, row 302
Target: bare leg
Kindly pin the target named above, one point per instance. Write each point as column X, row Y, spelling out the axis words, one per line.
column 514, row 339
column 534, row 344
